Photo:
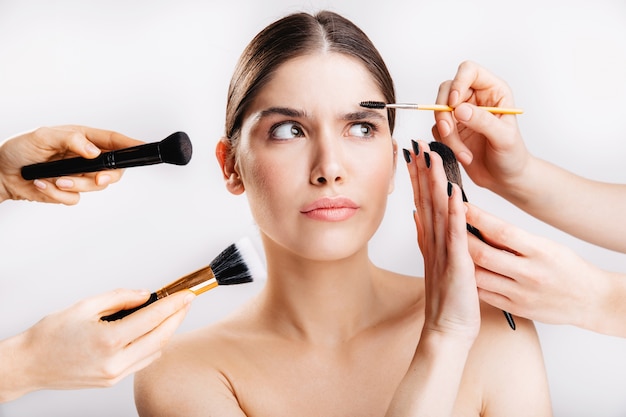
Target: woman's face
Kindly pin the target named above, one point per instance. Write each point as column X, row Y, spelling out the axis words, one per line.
column 317, row 167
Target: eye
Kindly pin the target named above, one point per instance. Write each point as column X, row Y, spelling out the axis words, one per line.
column 365, row 130
column 286, row 130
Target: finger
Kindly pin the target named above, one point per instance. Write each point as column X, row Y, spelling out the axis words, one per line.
column 88, row 182
column 107, row 139
column 438, row 184
column 104, row 178
column 435, row 132
column 150, row 343
column 66, row 141
column 116, row 300
column 143, row 321
column 470, row 78
column 496, row 283
column 133, row 364
column 499, row 233
column 445, row 128
column 498, row 300
column 409, row 157
column 84, row 141
column 423, row 198
column 496, row 128
column 50, row 193
column 457, row 230
column 148, row 347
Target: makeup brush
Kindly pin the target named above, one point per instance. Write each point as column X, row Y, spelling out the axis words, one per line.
column 175, row 149
column 237, row 264
column 453, row 172
column 434, row 107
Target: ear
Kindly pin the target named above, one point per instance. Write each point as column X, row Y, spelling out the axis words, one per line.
column 392, row 179
column 233, row 181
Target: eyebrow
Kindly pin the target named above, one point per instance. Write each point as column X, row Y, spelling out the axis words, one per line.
column 363, row 114
column 283, row 111
column 290, row 112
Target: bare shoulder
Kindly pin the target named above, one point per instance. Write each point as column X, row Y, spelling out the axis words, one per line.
column 190, row 378
column 509, row 365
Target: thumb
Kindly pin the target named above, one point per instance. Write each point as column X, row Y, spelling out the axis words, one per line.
column 483, row 122
column 78, row 143
column 86, row 149
column 120, row 299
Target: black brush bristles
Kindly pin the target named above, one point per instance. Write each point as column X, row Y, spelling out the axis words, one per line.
column 450, row 164
column 237, row 264
column 176, row 149
column 230, row 268
column 453, row 173
column 373, row 104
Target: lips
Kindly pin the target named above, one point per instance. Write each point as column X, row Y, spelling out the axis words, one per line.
column 332, row 209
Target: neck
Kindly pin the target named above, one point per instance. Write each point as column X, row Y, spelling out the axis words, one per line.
column 326, row 302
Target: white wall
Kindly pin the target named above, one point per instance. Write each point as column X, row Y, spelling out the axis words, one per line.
column 149, row 68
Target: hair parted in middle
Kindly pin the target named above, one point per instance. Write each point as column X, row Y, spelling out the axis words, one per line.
column 292, row 36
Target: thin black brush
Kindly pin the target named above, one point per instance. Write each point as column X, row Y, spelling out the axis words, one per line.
column 237, row 264
column 453, row 172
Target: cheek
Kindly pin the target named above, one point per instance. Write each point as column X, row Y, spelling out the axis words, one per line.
column 267, row 184
column 377, row 172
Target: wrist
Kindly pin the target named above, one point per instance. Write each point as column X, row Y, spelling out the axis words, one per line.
column 437, row 342
column 4, row 193
column 608, row 311
column 521, row 186
column 14, row 369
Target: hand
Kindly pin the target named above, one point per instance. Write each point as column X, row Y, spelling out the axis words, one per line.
column 45, row 144
column 489, row 146
column 75, row 349
column 452, row 313
column 536, row 278
column 452, row 305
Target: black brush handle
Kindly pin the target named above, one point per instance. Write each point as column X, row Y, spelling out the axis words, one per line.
column 476, row 232
column 123, row 313
column 146, row 154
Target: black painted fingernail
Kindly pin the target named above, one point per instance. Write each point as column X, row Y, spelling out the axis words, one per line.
column 464, row 196
column 427, row 159
column 416, row 147
column 407, row 155
column 449, row 189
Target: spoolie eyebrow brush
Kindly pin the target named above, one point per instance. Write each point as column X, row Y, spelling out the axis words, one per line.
column 453, row 172
column 434, row 107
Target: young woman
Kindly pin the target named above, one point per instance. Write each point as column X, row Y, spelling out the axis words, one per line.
column 331, row 334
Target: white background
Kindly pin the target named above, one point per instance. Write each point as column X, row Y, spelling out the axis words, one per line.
column 150, row 68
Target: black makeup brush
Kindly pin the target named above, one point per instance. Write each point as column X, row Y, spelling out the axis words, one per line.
column 237, row 264
column 175, row 149
column 453, row 172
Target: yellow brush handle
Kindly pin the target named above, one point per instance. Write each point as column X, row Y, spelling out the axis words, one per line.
column 442, row 107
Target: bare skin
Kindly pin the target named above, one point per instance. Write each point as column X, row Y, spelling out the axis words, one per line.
column 331, row 334
column 254, row 365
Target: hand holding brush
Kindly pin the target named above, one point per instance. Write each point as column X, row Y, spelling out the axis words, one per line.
column 237, row 264
column 452, row 305
column 453, row 173
column 176, row 149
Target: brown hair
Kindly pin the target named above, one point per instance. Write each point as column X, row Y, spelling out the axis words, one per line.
column 292, row 36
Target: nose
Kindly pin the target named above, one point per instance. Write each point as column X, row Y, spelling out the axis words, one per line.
column 328, row 161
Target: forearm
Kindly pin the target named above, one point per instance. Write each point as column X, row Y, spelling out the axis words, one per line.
column 431, row 384
column 14, row 368
column 589, row 210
